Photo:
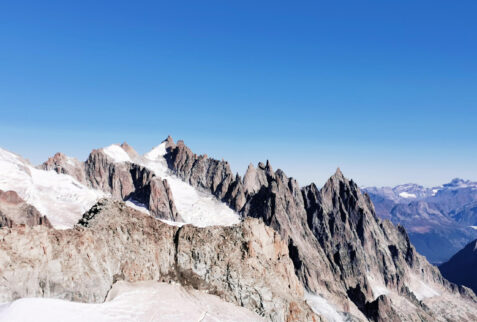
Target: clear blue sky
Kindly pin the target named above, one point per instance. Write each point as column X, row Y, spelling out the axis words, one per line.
column 387, row 90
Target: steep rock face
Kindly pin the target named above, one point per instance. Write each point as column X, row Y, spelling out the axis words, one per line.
column 205, row 173
column 361, row 248
column 127, row 180
column 246, row 264
column 279, row 203
column 460, row 268
column 15, row 211
column 104, row 174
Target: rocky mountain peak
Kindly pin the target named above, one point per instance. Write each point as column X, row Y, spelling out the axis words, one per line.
column 169, row 142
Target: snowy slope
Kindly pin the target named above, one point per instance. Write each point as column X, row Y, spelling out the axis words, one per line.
column 144, row 301
column 321, row 306
column 196, row 207
column 60, row 197
column 116, row 153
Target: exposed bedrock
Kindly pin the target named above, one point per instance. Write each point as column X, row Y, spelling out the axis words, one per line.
column 15, row 211
column 246, row 264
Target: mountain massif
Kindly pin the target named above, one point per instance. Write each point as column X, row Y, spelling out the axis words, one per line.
column 259, row 242
column 440, row 220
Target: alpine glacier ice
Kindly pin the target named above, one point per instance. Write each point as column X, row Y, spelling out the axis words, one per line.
column 116, row 153
column 59, row 197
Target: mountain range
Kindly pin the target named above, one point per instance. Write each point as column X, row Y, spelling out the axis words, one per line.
column 175, row 227
column 440, row 220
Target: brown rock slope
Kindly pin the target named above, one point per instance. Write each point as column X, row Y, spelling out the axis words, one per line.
column 246, row 264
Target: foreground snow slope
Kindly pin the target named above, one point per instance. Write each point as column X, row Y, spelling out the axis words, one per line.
column 59, row 197
column 143, row 301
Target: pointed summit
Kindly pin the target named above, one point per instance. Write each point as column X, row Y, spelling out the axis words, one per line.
column 169, row 142
column 338, row 174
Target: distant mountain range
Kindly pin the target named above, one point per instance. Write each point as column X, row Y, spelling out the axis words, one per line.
column 440, row 220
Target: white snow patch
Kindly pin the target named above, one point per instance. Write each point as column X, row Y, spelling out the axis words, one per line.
column 420, row 289
column 320, row 306
column 473, row 227
column 173, row 223
column 435, row 191
column 195, row 207
column 59, row 197
column 144, row 301
column 116, row 153
column 142, row 208
column 405, row 194
column 377, row 287
column 156, row 152
column 137, row 205
column 70, row 161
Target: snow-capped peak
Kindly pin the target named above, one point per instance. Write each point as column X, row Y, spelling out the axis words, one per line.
column 117, row 153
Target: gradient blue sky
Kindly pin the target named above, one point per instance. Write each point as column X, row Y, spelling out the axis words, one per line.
column 387, row 90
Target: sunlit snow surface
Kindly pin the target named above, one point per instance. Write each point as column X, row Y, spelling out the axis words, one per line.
column 405, row 194
column 195, row 207
column 377, row 287
column 421, row 289
column 144, row 301
column 142, row 208
column 58, row 196
column 320, row 306
column 116, row 153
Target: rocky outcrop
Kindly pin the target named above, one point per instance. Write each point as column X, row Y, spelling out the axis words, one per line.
column 129, row 181
column 246, row 264
column 65, row 165
column 15, row 211
column 129, row 150
column 205, row 173
column 122, row 180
